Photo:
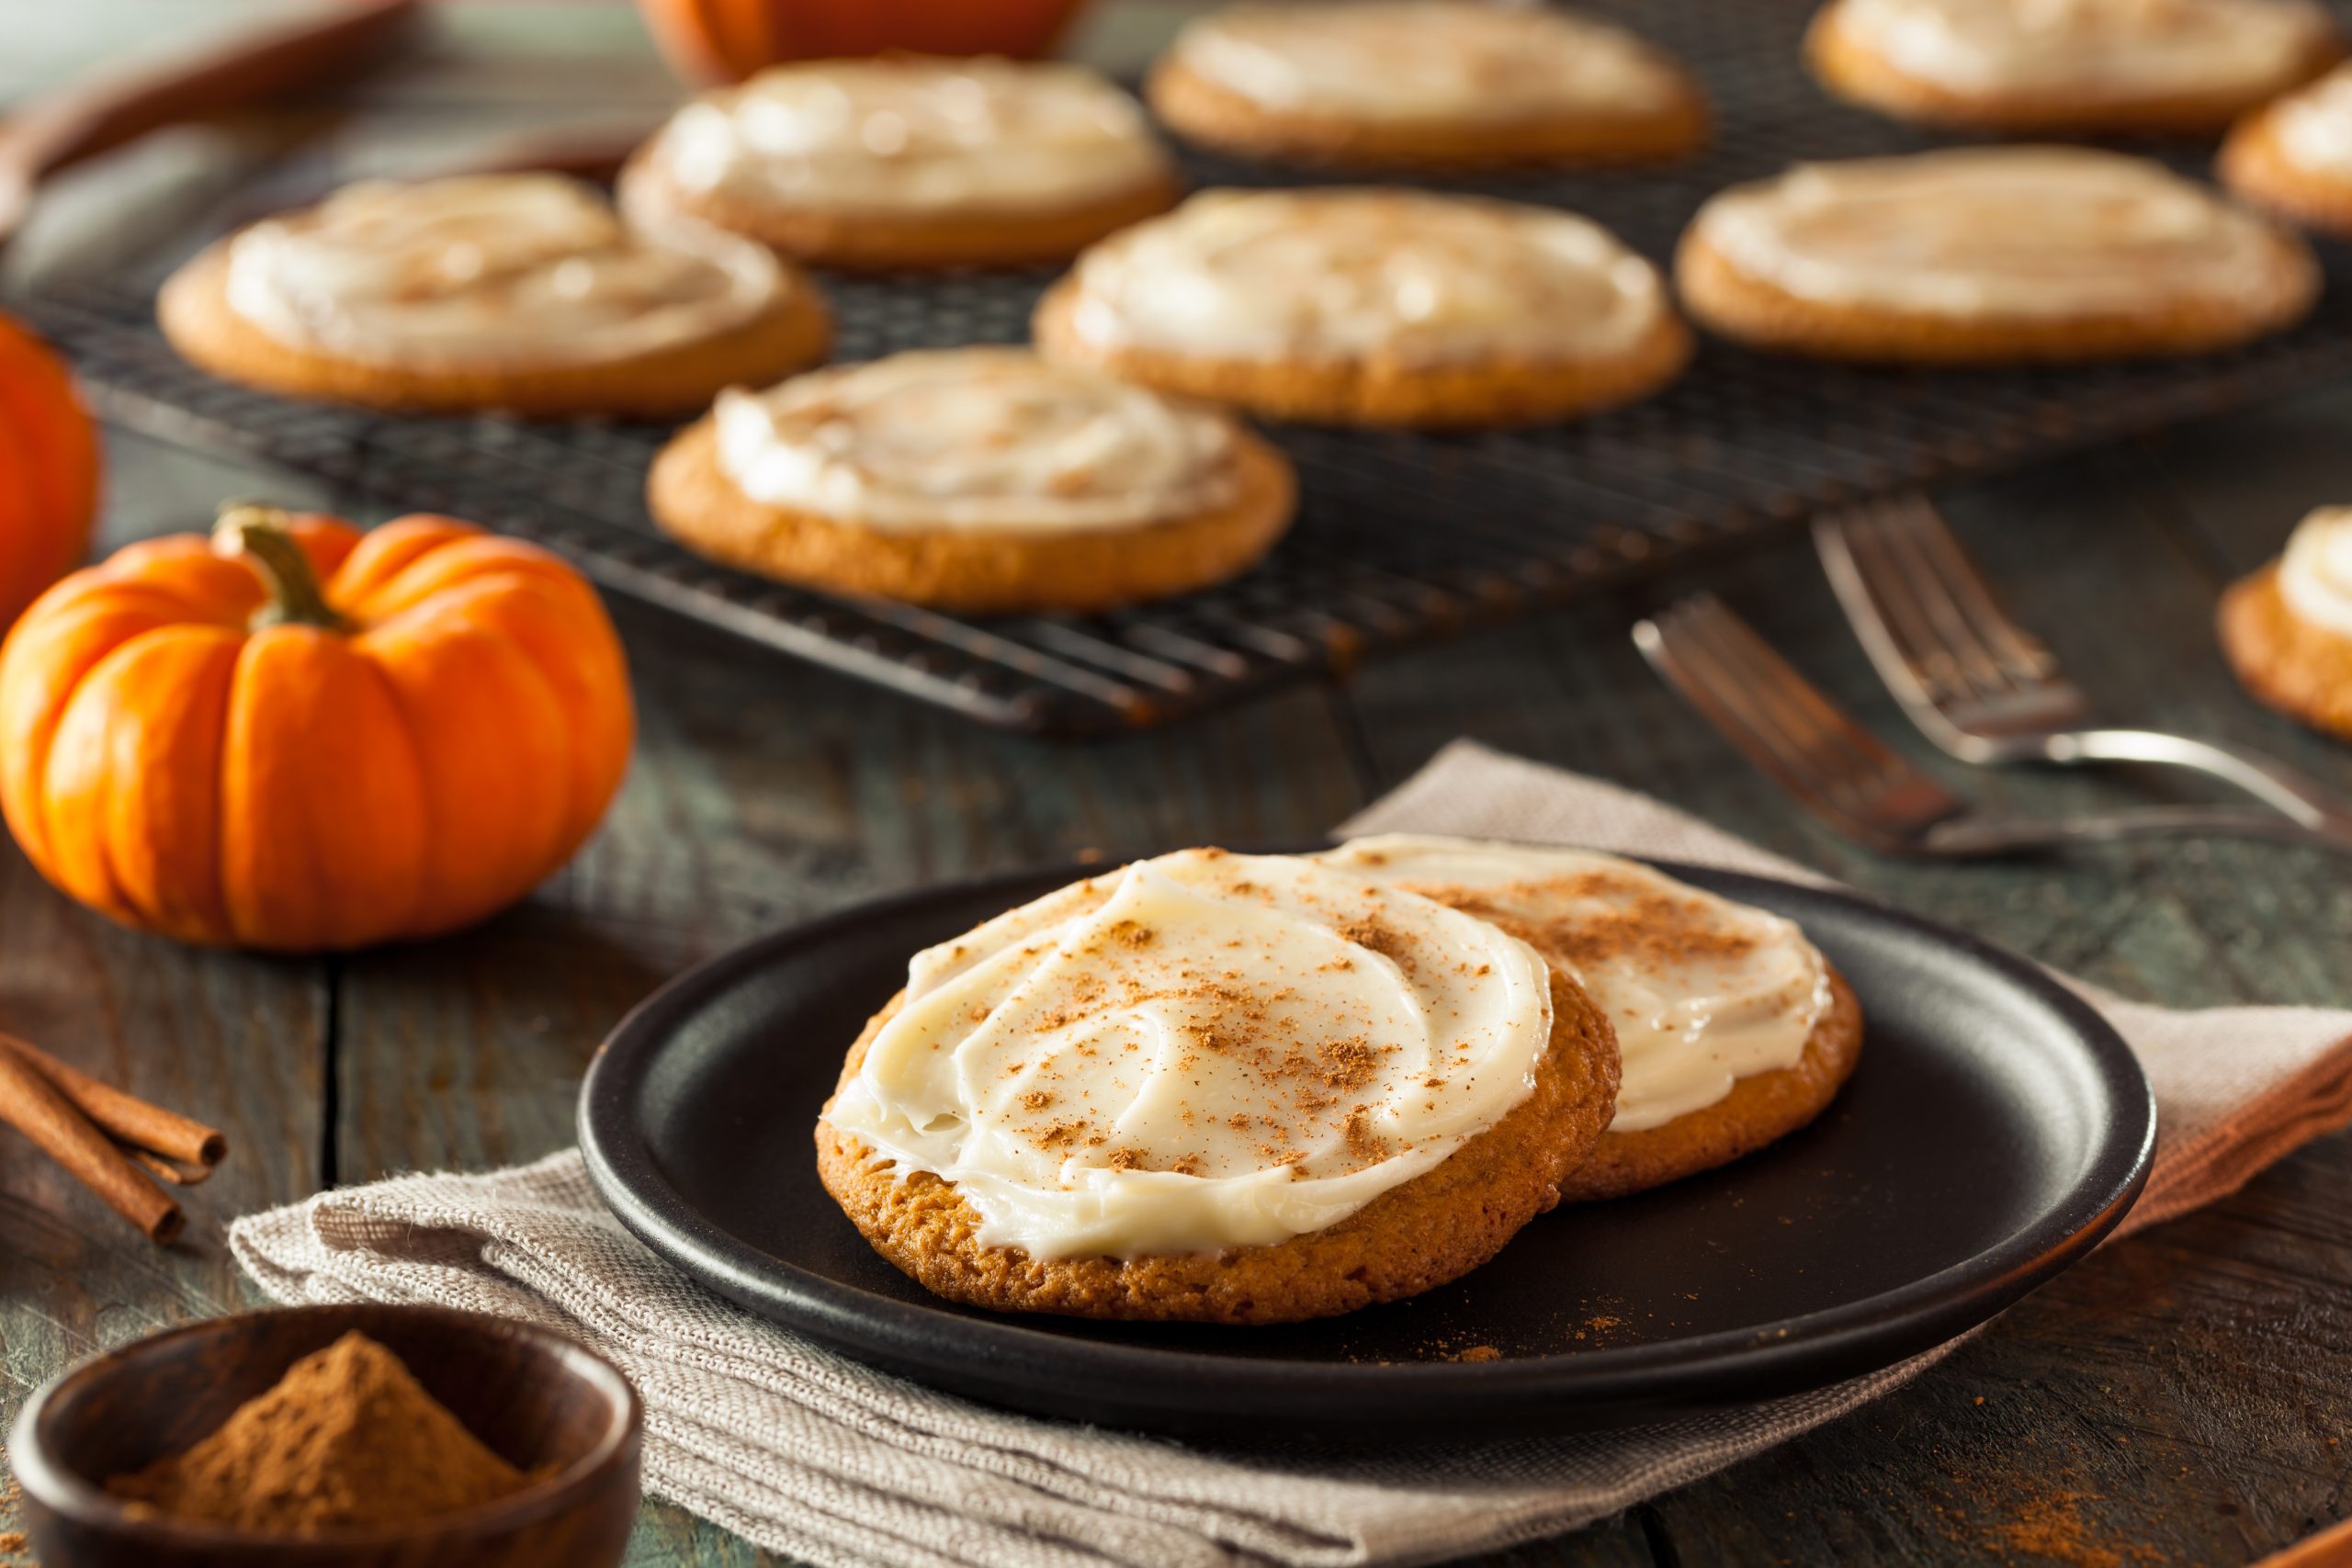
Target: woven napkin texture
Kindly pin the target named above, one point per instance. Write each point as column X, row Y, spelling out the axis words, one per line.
column 815, row 1456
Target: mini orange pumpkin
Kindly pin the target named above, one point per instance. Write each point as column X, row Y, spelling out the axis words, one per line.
column 48, row 470
column 302, row 737
column 725, row 41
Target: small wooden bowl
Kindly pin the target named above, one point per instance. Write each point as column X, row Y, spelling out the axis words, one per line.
column 534, row 1396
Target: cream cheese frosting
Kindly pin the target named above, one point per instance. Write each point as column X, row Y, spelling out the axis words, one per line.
column 1701, row 991
column 1434, row 59
column 2313, row 128
column 1199, row 1051
column 913, row 136
column 491, row 269
column 2315, row 574
column 2138, row 49
column 1999, row 231
column 990, row 439
column 1342, row 274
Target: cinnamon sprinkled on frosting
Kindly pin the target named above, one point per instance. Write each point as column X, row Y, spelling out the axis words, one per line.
column 991, row 439
column 1199, row 1051
column 1366, row 272
column 2089, row 51
column 907, row 135
column 492, row 269
column 2010, row 232
column 1701, row 991
column 1425, row 60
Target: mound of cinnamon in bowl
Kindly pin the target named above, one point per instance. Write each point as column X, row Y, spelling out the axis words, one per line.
column 360, row 1435
column 346, row 1440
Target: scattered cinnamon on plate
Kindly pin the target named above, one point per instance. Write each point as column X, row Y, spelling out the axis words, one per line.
column 12, row 1542
column 349, row 1440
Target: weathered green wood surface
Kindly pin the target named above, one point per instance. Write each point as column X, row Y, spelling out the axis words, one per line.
column 2179, row 1398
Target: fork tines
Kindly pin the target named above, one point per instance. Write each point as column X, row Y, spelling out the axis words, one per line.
column 1783, row 724
column 1928, row 622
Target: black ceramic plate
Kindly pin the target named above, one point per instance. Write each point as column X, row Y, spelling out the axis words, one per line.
column 1996, row 1130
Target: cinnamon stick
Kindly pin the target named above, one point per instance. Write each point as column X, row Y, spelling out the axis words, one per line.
column 176, row 1172
column 181, row 1141
column 39, row 1110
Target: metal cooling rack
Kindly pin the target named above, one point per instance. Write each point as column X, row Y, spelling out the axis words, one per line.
column 1399, row 538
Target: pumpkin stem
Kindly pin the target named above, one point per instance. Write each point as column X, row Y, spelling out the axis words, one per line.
column 261, row 537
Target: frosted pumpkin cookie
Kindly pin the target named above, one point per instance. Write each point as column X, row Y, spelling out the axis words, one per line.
column 2287, row 629
column 1419, row 82
column 1989, row 254
column 1217, row 1087
column 520, row 292
column 2295, row 156
column 1371, row 307
column 908, row 161
column 979, row 479
column 1732, row 1029
column 2048, row 66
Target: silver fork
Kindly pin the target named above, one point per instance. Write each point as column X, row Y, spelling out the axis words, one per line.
column 1984, row 690
column 1842, row 772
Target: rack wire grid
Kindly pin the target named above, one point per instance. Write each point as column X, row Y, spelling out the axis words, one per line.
column 1399, row 537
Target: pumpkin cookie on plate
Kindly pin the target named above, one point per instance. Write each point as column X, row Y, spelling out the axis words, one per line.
column 2294, row 156
column 1989, row 255
column 517, row 292
column 908, row 161
column 1371, row 307
column 976, row 479
column 2286, row 629
column 1215, row 1087
column 1732, row 1029
column 2069, row 66
column 1410, row 83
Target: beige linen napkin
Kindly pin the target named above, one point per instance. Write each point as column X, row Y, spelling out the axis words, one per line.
column 813, row 1455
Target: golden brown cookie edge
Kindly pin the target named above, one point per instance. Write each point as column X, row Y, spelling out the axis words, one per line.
column 963, row 569
column 1383, row 394
column 196, row 317
column 1214, row 117
column 877, row 241
column 1760, row 1110
column 1728, row 302
column 1859, row 76
column 1413, row 1238
column 2252, row 165
column 2301, row 670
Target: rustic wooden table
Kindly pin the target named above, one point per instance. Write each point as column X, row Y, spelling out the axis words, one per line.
column 2179, row 1398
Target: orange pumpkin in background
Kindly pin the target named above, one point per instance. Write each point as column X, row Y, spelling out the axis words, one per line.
column 725, row 41
column 298, row 737
column 48, row 470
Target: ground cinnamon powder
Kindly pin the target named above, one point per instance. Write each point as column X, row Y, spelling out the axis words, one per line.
column 346, row 1440
column 2052, row 1526
column 12, row 1542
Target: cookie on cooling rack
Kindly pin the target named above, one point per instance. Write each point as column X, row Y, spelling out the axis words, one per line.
column 1986, row 256
column 2294, row 156
column 523, row 293
column 1215, row 1087
column 2287, row 630
column 1732, row 1029
column 2069, row 66
column 1416, row 84
column 1371, row 307
column 908, row 161
column 975, row 480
